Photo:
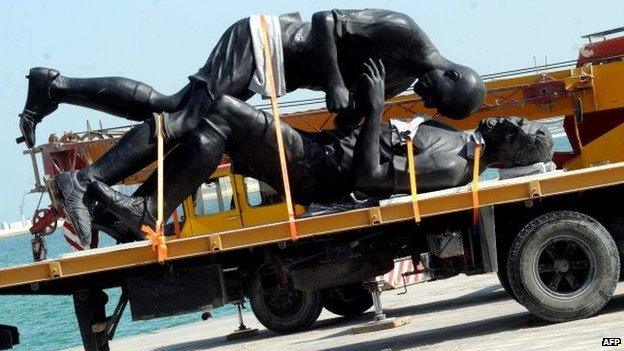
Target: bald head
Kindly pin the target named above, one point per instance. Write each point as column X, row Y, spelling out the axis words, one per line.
column 456, row 92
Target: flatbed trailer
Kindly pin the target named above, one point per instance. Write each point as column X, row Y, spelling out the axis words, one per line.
column 562, row 222
column 19, row 279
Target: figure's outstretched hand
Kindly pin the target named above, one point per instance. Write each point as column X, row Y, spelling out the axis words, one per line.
column 373, row 80
column 337, row 98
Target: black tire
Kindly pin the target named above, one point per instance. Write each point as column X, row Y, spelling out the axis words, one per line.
column 503, row 278
column 6, row 340
column 348, row 301
column 563, row 266
column 503, row 244
column 620, row 245
column 284, row 309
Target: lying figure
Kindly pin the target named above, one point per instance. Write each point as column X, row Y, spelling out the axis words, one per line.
column 326, row 166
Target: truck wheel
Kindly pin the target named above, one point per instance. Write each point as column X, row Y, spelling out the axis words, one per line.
column 563, row 266
column 6, row 340
column 283, row 309
column 348, row 301
column 503, row 245
column 503, row 278
column 620, row 245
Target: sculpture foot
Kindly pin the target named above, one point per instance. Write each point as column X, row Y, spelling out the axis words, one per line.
column 72, row 194
column 131, row 211
column 105, row 222
column 39, row 103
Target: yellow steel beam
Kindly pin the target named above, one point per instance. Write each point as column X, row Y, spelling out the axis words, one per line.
column 598, row 86
column 604, row 150
column 453, row 200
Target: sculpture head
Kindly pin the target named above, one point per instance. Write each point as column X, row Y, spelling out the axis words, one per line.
column 456, row 92
column 514, row 141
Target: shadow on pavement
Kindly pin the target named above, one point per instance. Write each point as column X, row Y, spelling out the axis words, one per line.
column 508, row 322
column 489, row 294
column 214, row 342
column 437, row 335
column 521, row 320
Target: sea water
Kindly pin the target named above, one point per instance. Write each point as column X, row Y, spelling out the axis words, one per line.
column 48, row 322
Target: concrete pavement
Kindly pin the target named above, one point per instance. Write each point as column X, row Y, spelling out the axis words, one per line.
column 461, row 313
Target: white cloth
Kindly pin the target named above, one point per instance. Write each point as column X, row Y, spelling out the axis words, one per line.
column 406, row 129
column 536, row 168
column 258, row 82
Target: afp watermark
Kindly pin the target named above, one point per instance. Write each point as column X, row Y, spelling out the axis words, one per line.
column 611, row 341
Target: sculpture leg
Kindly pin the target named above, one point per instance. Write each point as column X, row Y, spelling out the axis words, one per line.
column 186, row 168
column 118, row 96
column 135, row 150
column 233, row 127
column 115, row 95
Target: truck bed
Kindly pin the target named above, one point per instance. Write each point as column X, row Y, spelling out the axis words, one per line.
column 129, row 257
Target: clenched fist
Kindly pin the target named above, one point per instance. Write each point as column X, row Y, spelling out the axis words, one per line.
column 337, row 98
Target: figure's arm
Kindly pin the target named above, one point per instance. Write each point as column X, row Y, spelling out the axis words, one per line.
column 367, row 166
column 323, row 38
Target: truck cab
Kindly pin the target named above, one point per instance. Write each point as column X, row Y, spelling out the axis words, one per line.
column 228, row 201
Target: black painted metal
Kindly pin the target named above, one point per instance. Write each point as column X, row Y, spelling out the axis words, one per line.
column 90, row 307
column 173, row 292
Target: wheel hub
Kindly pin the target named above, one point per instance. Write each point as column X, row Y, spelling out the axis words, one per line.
column 564, row 267
column 283, row 300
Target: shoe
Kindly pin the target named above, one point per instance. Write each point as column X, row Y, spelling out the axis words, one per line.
column 72, row 194
column 105, row 222
column 118, row 231
column 130, row 210
column 39, row 103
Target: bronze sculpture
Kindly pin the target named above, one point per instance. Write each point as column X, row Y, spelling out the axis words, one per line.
column 324, row 167
column 325, row 54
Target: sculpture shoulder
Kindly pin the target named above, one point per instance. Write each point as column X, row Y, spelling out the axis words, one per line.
column 443, row 169
column 292, row 17
column 434, row 136
column 295, row 33
column 395, row 32
column 388, row 18
column 448, row 160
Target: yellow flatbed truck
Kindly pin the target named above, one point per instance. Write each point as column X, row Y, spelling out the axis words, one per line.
column 555, row 238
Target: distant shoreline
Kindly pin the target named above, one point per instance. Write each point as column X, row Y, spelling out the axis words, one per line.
column 14, row 232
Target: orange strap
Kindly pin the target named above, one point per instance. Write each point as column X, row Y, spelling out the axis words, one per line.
column 176, row 224
column 157, row 235
column 411, row 164
column 158, row 241
column 475, row 185
column 268, row 64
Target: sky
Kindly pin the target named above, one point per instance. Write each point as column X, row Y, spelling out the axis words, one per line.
column 162, row 42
